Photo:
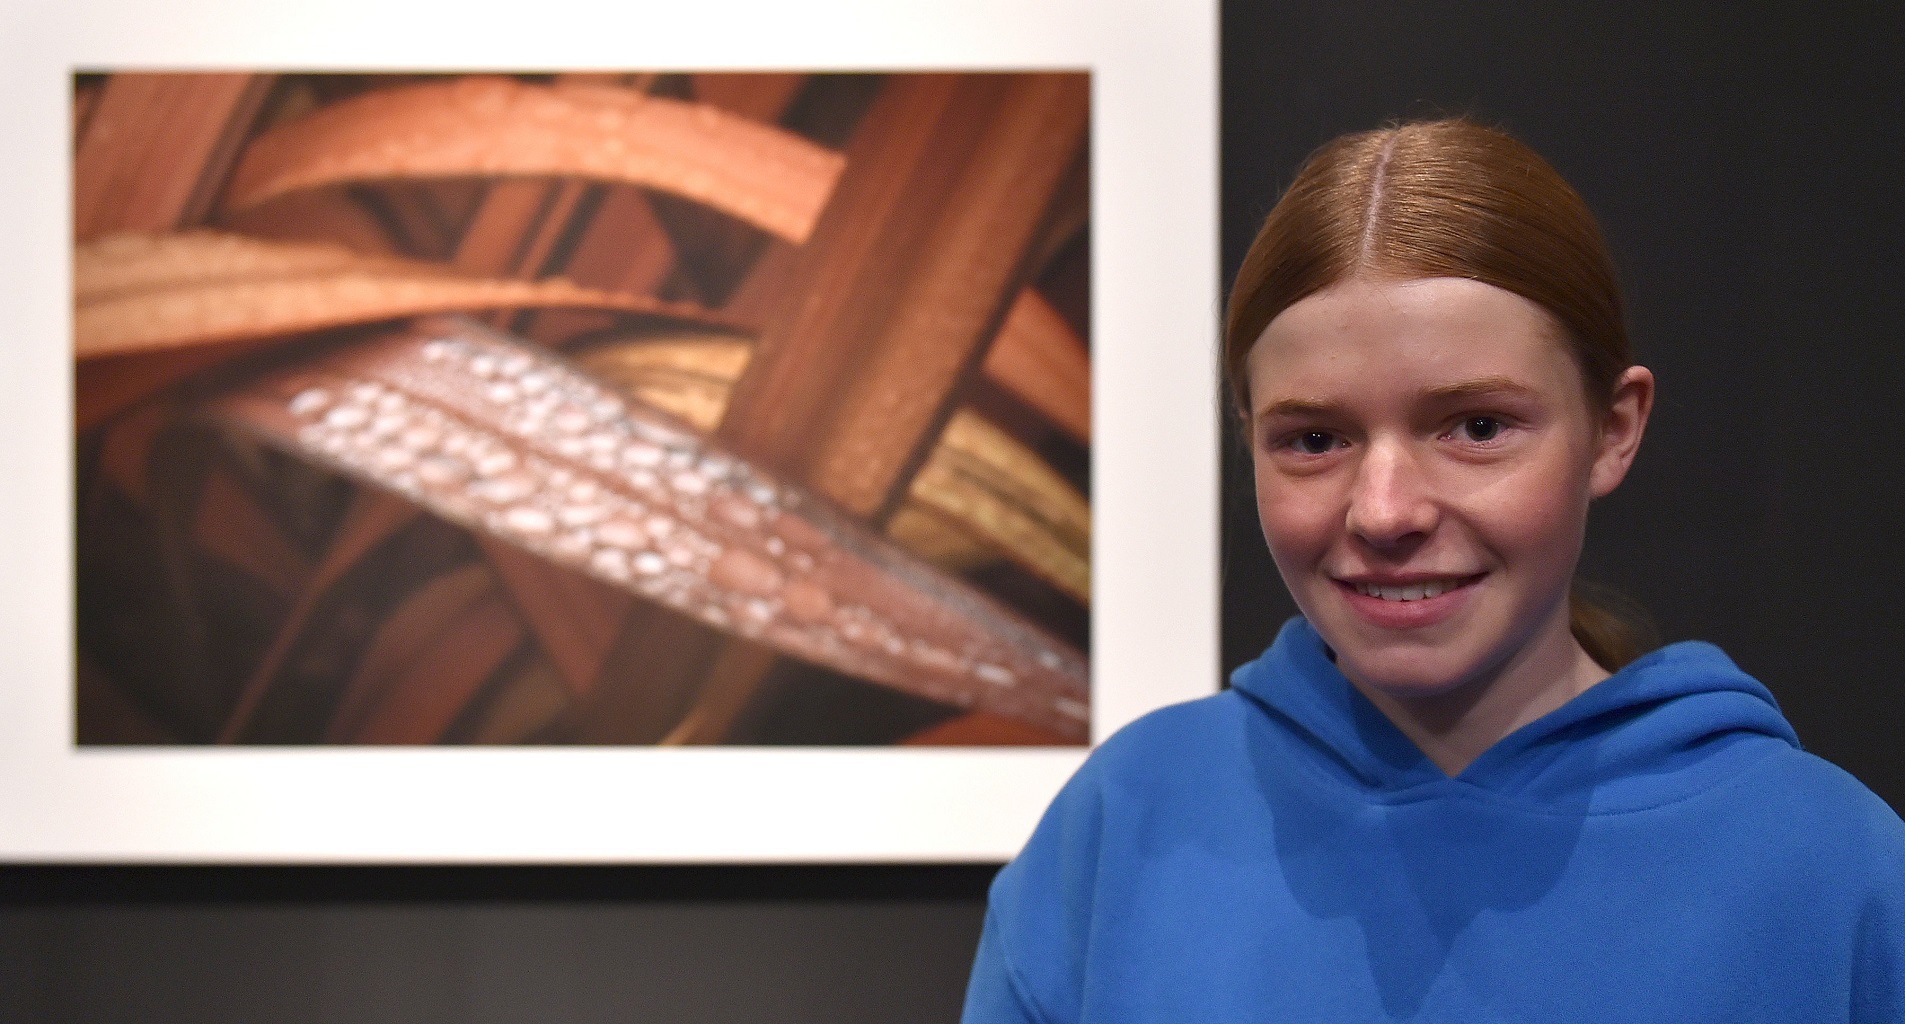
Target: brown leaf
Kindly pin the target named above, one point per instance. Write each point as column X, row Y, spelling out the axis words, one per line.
column 156, row 148
column 137, row 293
column 230, row 523
column 575, row 618
column 373, row 516
column 427, row 661
column 1039, row 358
column 481, row 126
column 506, row 439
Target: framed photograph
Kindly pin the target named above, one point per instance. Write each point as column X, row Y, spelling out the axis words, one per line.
column 790, row 442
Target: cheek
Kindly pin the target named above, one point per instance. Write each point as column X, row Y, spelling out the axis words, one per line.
column 1296, row 519
column 1540, row 517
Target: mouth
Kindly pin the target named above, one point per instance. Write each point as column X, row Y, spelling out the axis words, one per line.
column 1415, row 590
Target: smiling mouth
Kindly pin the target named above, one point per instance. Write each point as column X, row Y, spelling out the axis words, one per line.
column 1412, row 591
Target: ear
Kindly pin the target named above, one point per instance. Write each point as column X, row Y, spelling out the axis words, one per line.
column 1621, row 428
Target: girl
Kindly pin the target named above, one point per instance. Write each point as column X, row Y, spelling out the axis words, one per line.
column 1448, row 791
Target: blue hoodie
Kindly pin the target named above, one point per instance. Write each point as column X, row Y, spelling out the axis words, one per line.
column 1659, row 849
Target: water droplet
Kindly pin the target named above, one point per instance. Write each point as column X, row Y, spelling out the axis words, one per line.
column 571, row 447
column 514, row 364
column 716, row 467
column 649, row 563
column 490, row 463
column 483, row 366
column 421, row 437
column 436, row 350
column 581, row 515
column 1071, row 708
column 760, row 493
column 606, row 409
column 745, row 572
column 442, row 471
column 936, row 657
column 661, row 526
column 681, row 554
column 506, row 490
column 575, row 544
column 347, row 417
column 532, row 521
column 611, row 563
column 622, row 534
column 388, row 424
column 690, row 483
column 602, row 461
column 994, row 674
column 1050, row 660
column 643, row 480
column 680, row 458
column 807, row 602
column 585, row 490
column 310, row 401
column 390, row 401
column 534, row 383
column 738, row 512
column 365, row 392
column 641, row 454
column 502, row 393
column 776, row 546
column 570, row 421
column 392, row 459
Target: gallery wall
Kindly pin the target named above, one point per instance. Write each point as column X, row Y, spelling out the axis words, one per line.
column 1744, row 161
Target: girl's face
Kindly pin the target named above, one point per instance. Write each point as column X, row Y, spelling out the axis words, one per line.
column 1425, row 455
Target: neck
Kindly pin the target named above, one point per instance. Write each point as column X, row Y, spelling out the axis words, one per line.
column 1456, row 726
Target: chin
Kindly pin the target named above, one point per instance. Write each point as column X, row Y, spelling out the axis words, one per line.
column 1409, row 681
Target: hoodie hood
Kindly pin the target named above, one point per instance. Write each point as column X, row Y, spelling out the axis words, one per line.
column 1673, row 723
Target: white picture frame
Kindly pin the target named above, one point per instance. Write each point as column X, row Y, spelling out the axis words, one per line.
column 1154, row 475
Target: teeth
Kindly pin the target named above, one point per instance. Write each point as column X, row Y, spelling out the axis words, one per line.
column 1412, row 592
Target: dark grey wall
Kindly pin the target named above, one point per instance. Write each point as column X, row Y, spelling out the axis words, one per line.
column 1745, row 162
column 480, row 945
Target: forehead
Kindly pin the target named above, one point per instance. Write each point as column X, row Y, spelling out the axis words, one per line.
column 1360, row 339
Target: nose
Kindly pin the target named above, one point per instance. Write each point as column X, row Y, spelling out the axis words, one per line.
column 1392, row 501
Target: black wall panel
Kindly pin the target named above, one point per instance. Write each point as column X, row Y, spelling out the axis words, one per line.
column 306, row 945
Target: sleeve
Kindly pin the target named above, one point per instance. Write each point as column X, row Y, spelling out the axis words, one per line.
column 1878, row 966
column 1032, row 954
column 992, row 996
column 1878, row 972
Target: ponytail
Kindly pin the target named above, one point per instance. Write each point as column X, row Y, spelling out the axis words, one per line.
column 1612, row 629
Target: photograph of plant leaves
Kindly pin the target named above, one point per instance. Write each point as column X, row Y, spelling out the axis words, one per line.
column 724, row 408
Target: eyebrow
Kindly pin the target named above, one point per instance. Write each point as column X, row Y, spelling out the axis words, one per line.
column 1480, row 387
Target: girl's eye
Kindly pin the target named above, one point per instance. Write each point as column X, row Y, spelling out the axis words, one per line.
column 1482, row 428
column 1313, row 442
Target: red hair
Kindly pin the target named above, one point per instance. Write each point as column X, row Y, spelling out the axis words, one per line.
column 1447, row 198
column 1436, row 199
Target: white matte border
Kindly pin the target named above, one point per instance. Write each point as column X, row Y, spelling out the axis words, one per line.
column 1154, row 480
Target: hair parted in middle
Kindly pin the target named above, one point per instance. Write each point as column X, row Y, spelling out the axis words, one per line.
column 1444, row 198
